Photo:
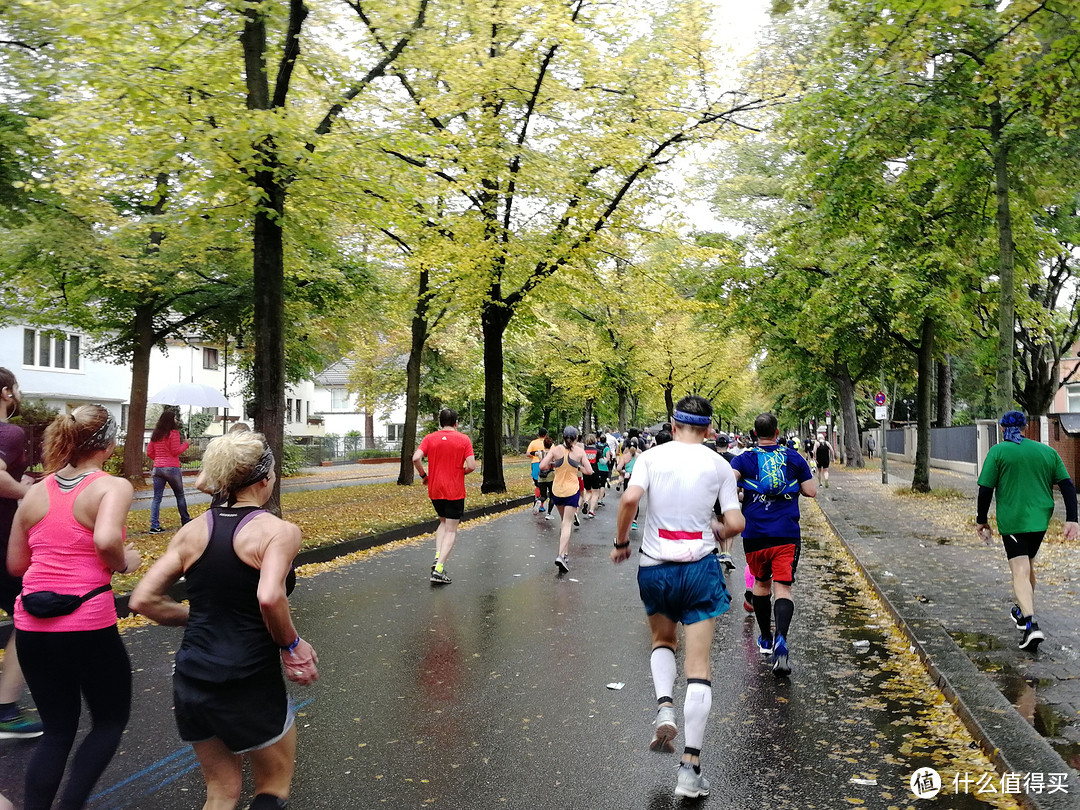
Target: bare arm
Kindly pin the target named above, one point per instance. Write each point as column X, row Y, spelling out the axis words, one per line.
column 277, row 558
column 151, row 595
column 9, row 487
column 112, row 513
column 808, row 488
column 418, row 462
column 470, row 464
column 628, row 505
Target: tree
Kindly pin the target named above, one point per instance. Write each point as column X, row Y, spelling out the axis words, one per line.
column 543, row 123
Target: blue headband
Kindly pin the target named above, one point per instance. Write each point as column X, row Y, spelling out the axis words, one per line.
column 692, row 418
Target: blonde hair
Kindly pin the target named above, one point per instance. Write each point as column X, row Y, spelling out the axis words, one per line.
column 66, row 434
column 230, row 459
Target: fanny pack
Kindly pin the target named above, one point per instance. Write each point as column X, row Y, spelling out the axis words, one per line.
column 49, row 605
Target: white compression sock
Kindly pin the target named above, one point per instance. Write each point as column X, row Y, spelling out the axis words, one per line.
column 663, row 671
column 696, row 711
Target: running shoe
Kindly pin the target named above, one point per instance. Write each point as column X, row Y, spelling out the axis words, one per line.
column 747, row 606
column 156, row 530
column 550, row 516
column 19, row 727
column 691, row 784
column 666, row 729
column 433, row 564
column 562, row 564
column 780, row 666
column 590, row 515
column 440, row 578
column 576, row 521
column 1018, row 617
column 633, row 525
column 542, row 510
column 726, row 561
column 536, row 507
column 764, row 645
column 1032, row 637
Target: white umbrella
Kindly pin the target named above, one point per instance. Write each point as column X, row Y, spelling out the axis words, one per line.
column 190, row 394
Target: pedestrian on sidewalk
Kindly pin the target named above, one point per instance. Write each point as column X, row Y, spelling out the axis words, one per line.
column 67, row 540
column 823, row 454
column 164, row 449
column 679, row 577
column 871, row 445
column 723, row 447
column 567, row 460
column 229, row 697
column 14, row 484
column 1023, row 472
column 450, row 458
column 773, row 477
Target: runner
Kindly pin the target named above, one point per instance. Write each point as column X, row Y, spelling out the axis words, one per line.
column 722, row 446
column 823, row 454
column 546, row 479
column 592, row 480
column 603, row 467
column 567, row 460
column 67, row 540
column 626, row 468
column 14, row 484
column 772, row 478
column 229, row 697
column 536, row 447
column 450, row 456
column 1023, row 472
column 679, row 577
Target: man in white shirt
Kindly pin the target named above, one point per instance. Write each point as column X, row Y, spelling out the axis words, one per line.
column 679, row 577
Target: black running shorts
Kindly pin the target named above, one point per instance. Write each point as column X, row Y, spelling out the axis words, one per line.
column 1025, row 544
column 451, row 510
column 246, row 714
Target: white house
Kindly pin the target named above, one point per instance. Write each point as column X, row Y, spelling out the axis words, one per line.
column 342, row 414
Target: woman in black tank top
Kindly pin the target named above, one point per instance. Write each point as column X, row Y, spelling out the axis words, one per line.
column 228, row 692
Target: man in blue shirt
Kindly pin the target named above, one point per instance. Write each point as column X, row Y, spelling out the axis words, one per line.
column 772, row 477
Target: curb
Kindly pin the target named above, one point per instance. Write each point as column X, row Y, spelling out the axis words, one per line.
column 1011, row 743
column 334, row 550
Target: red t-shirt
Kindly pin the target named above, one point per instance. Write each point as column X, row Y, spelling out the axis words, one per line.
column 446, row 451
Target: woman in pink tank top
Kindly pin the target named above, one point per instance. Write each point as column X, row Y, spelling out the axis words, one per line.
column 68, row 538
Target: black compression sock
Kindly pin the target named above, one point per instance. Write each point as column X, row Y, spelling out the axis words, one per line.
column 267, row 801
column 784, row 610
column 763, row 612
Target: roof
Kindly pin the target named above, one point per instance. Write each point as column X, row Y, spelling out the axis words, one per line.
column 336, row 373
column 1070, row 422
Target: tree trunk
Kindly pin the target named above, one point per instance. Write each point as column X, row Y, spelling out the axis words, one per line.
column 493, row 322
column 547, row 417
column 921, row 482
column 516, row 432
column 1006, row 349
column 624, row 409
column 406, row 471
column 944, row 392
column 134, row 452
column 268, row 366
column 669, row 400
column 587, row 417
column 845, row 387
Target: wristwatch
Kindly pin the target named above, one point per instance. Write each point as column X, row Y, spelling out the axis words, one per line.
column 621, row 545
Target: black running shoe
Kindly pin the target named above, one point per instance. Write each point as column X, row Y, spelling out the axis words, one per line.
column 1018, row 617
column 1032, row 637
column 439, row 578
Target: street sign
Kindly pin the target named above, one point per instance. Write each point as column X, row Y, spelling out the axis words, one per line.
column 881, row 413
column 879, row 398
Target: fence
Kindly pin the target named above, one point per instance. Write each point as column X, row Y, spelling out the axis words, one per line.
column 894, row 440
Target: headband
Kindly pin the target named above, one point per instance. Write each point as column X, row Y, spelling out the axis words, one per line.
column 1012, row 424
column 692, row 418
column 100, row 438
column 260, row 471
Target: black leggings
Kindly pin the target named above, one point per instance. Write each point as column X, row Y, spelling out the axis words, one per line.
column 545, row 491
column 60, row 669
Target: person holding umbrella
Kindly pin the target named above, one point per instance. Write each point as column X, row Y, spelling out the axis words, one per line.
column 164, row 448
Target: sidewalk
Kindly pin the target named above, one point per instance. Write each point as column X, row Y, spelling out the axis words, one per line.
column 952, row 594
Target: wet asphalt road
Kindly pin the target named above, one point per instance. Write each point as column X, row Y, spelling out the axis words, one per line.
column 491, row 692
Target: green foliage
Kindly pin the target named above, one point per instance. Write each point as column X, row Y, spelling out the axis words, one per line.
column 293, row 459
column 196, row 424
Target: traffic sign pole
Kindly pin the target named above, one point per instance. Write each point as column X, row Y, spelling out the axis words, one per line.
column 884, row 438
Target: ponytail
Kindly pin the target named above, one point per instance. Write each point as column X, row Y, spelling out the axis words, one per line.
column 69, row 438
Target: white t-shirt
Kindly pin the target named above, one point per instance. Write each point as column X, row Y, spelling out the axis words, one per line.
column 683, row 482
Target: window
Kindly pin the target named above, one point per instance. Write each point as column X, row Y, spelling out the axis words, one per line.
column 210, row 359
column 288, row 410
column 339, row 399
column 298, row 411
column 1072, row 398
column 212, row 411
column 395, row 433
column 50, row 350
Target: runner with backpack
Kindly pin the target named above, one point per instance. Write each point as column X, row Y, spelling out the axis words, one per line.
column 773, row 477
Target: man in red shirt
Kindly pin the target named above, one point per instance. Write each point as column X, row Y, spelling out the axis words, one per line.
column 450, row 458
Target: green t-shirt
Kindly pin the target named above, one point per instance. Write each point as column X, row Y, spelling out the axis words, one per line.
column 1023, row 476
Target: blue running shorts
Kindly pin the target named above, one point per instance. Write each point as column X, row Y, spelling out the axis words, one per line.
column 684, row 592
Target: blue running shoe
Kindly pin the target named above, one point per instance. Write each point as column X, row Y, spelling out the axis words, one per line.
column 764, row 645
column 780, row 666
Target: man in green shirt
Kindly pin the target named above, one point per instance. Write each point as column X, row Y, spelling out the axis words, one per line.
column 1023, row 473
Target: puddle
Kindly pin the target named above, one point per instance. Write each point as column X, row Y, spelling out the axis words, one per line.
column 977, row 642
column 1023, row 693
column 874, row 530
